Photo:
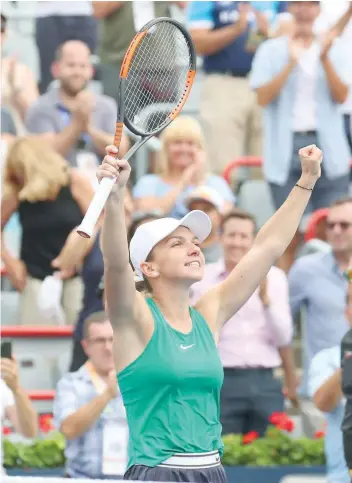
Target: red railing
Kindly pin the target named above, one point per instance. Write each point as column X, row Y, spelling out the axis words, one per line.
column 244, row 161
column 35, row 331
column 41, row 332
column 41, row 395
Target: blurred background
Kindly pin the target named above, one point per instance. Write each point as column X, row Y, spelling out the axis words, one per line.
column 271, row 78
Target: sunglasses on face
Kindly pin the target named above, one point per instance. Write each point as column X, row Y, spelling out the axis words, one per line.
column 344, row 225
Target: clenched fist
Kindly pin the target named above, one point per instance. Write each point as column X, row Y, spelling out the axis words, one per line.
column 311, row 158
column 112, row 167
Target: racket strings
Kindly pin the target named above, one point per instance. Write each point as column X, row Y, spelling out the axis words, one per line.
column 157, row 75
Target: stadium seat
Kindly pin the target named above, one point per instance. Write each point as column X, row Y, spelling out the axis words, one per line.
column 63, row 362
column 36, row 371
column 254, row 196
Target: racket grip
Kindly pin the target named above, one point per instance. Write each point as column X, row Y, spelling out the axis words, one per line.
column 95, row 208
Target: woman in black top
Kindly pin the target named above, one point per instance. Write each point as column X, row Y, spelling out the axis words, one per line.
column 51, row 199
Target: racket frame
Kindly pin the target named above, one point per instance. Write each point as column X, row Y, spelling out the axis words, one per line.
column 106, row 185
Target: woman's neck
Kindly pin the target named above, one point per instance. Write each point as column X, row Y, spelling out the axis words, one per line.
column 174, row 308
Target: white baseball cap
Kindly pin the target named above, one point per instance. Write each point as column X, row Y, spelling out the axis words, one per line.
column 150, row 234
column 205, row 193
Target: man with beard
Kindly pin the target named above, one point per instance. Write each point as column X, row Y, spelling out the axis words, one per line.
column 77, row 122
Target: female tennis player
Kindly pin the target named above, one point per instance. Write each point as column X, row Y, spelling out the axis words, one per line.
column 169, row 371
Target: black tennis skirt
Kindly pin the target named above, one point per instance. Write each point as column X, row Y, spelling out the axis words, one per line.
column 216, row 474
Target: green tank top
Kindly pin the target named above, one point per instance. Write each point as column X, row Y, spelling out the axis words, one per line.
column 171, row 393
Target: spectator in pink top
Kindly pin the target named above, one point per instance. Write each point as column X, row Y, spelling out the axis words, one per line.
column 255, row 341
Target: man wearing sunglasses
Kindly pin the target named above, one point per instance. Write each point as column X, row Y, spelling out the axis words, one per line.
column 318, row 286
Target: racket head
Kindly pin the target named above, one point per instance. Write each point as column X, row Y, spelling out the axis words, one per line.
column 158, row 70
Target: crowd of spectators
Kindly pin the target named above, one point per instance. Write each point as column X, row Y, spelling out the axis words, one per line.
column 276, row 76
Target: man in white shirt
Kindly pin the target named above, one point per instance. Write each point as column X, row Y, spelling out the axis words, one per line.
column 15, row 404
column 338, row 15
column 302, row 81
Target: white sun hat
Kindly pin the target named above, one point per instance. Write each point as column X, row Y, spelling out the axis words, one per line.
column 150, row 234
column 205, row 193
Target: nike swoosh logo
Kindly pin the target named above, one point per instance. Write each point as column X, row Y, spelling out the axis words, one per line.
column 185, row 347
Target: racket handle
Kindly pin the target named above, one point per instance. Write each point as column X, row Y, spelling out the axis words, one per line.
column 95, row 208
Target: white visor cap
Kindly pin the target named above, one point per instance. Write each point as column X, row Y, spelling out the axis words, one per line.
column 150, row 234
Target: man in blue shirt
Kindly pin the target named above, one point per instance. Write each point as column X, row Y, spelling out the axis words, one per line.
column 325, row 388
column 318, row 286
column 74, row 120
column 226, row 34
column 325, row 384
column 301, row 84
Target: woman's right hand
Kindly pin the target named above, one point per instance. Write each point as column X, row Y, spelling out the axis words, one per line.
column 114, row 168
column 16, row 271
column 194, row 173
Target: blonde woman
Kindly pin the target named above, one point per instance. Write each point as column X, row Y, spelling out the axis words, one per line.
column 181, row 167
column 51, row 199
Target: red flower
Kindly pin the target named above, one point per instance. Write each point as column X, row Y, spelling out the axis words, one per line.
column 6, row 430
column 289, row 426
column 277, row 418
column 250, row 437
column 319, row 434
column 46, row 423
column 282, row 422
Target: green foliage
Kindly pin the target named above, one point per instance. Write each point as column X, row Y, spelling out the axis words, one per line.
column 42, row 453
column 275, row 449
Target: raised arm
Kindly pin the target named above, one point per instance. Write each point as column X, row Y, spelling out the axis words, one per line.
column 118, row 274
column 127, row 309
column 222, row 302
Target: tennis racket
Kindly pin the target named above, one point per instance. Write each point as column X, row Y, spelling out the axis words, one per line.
column 156, row 77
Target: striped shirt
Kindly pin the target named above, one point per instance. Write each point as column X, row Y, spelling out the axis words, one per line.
column 84, row 454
